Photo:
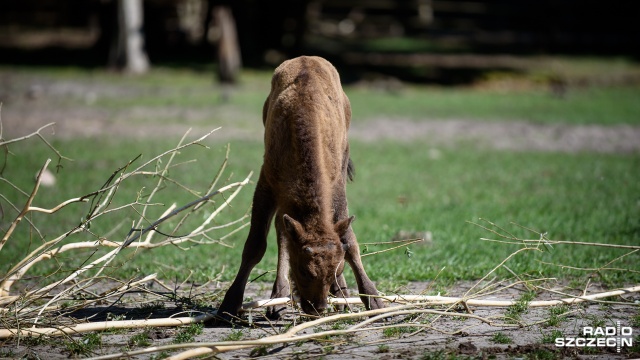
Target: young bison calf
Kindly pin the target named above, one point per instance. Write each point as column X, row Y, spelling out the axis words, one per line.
column 303, row 181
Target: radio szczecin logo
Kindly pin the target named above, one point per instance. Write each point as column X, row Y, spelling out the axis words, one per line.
column 610, row 336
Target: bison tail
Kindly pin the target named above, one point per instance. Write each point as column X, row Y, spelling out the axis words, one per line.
column 351, row 170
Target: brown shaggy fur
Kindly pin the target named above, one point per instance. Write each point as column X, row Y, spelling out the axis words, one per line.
column 303, row 181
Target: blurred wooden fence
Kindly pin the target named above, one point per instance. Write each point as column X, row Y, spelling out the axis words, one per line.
column 484, row 26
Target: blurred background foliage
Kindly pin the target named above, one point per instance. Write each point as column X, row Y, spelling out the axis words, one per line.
column 435, row 41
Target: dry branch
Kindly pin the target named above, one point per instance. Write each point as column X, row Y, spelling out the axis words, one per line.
column 446, row 300
column 419, row 300
column 35, row 133
column 100, row 326
column 32, row 307
column 543, row 240
column 25, row 209
column 200, row 228
column 107, row 192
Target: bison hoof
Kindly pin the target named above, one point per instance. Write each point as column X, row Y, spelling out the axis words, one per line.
column 225, row 315
column 373, row 303
column 376, row 303
column 275, row 312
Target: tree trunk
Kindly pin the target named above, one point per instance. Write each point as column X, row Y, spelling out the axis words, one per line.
column 127, row 51
column 229, row 59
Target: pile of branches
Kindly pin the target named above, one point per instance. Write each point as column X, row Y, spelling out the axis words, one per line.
column 57, row 294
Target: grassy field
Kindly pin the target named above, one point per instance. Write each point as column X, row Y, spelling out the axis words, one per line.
column 582, row 106
column 400, row 186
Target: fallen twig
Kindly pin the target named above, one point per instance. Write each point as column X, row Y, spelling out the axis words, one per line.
column 446, row 300
column 563, row 242
column 403, row 244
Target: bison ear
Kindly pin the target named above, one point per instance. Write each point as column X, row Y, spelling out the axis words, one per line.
column 342, row 226
column 292, row 227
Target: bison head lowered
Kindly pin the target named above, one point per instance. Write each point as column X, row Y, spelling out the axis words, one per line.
column 317, row 259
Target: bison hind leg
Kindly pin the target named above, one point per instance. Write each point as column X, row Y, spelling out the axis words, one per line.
column 281, row 288
column 339, row 290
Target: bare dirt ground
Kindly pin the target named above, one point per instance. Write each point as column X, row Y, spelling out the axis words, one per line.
column 28, row 105
column 423, row 337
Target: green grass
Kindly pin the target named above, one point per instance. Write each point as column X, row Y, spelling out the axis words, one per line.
column 501, row 338
column 188, row 333
column 141, row 339
column 551, row 337
column 234, row 335
column 85, row 346
column 446, row 355
column 580, row 197
column 515, row 311
column 398, row 331
column 542, row 354
column 194, row 89
column 556, row 315
column 580, row 106
column 399, row 186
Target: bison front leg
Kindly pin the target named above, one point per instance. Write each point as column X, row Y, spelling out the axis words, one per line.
column 254, row 248
column 281, row 287
column 366, row 287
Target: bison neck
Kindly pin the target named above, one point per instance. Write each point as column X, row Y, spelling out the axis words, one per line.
column 311, row 186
